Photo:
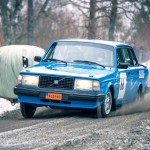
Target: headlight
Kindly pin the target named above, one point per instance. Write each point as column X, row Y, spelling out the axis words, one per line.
column 19, row 79
column 83, row 84
column 28, row 80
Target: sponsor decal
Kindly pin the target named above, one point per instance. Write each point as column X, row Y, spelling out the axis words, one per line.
column 122, row 85
column 141, row 74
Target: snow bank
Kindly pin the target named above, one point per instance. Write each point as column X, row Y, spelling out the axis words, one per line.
column 6, row 106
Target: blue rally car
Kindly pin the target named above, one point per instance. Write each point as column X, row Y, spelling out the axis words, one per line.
column 83, row 74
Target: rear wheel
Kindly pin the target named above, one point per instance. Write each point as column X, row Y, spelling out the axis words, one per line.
column 139, row 96
column 104, row 110
column 27, row 110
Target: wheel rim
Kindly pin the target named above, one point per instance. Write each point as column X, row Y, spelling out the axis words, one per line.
column 108, row 103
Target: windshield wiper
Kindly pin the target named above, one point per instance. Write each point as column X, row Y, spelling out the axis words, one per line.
column 89, row 62
column 56, row 60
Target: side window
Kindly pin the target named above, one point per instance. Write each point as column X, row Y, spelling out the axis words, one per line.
column 133, row 57
column 124, row 56
column 119, row 56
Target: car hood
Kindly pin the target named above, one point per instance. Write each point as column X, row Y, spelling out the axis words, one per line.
column 69, row 70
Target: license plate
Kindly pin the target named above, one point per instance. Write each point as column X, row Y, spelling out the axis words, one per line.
column 54, row 96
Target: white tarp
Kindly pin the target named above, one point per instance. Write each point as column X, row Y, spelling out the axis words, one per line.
column 11, row 64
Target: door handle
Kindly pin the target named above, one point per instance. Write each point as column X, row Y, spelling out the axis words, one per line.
column 138, row 72
column 128, row 73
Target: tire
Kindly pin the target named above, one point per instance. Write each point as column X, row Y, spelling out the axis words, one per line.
column 104, row 110
column 139, row 96
column 27, row 110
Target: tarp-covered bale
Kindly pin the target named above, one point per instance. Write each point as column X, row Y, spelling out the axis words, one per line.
column 11, row 63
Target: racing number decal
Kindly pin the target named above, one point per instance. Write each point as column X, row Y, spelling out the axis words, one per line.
column 122, row 85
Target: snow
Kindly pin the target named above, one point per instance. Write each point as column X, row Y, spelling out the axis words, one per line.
column 6, row 106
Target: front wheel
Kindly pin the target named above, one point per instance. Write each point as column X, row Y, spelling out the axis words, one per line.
column 27, row 110
column 104, row 110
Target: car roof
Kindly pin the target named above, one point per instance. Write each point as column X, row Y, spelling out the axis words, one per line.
column 110, row 43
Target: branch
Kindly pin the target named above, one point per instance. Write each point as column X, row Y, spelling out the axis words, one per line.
column 125, row 11
column 43, row 7
column 98, row 17
column 42, row 11
column 4, row 4
column 84, row 2
column 17, row 6
column 21, row 37
column 79, row 7
column 124, row 1
column 100, row 26
column 80, row 26
column 102, row 8
column 101, row 1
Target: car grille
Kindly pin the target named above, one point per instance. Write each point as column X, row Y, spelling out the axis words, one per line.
column 56, row 82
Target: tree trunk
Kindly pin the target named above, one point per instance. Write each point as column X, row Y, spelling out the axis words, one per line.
column 113, row 17
column 30, row 22
column 92, row 20
column 5, row 22
column 16, row 6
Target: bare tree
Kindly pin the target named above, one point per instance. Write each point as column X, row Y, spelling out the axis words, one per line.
column 141, row 24
column 112, row 20
column 96, row 10
column 58, row 25
column 30, row 22
column 34, row 16
column 88, row 9
column 92, row 20
column 9, row 12
column 21, row 20
column 15, row 13
column 5, row 21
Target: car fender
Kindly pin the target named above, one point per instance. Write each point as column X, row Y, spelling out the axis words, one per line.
column 108, row 87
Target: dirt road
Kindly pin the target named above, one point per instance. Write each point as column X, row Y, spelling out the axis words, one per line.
column 50, row 129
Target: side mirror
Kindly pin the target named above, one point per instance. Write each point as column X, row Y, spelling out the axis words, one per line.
column 37, row 58
column 123, row 65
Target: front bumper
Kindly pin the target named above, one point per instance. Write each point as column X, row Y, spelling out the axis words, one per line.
column 69, row 98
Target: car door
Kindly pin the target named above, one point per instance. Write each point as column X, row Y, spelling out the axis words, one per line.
column 125, row 75
column 139, row 75
column 134, row 77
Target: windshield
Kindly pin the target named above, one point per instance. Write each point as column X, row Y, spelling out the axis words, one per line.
column 81, row 52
